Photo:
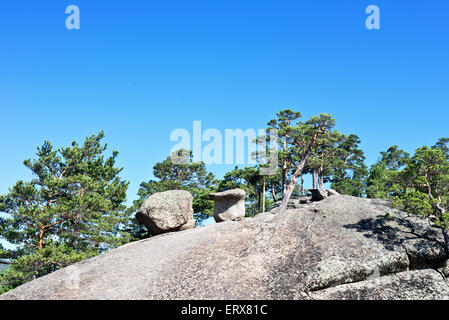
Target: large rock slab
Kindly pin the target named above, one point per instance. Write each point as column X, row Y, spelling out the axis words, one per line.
column 296, row 254
column 229, row 205
column 410, row 285
column 167, row 211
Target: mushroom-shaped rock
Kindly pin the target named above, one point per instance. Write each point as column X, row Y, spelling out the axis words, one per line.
column 229, row 205
column 167, row 212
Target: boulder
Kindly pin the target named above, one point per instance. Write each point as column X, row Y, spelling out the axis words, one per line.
column 446, row 269
column 321, row 194
column 318, row 194
column 339, row 248
column 293, row 203
column 167, row 211
column 229, row 205
column 332, row 192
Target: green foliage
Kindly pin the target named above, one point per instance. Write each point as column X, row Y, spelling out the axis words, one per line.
column 49, row 259
column 414, row 202
column 348, row 169
column 390, row 217
column 302, row 141
column 72, row 209
column 333, row 157
column 422, row 187
column 324, row 158
column 382, row 175
column 285, row 120
column 394, row 158
column 443, row 145
column 377, row 182
column 179, row 174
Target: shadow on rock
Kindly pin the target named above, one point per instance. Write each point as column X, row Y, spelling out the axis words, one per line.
column 423, row 243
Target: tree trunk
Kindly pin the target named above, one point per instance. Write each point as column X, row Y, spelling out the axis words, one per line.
column 292, row 184
column 273, row 193
column 284, row 170
column 263, row 196
column 315, row 179
column 302, row 186
column 284, row 181
column 321, row 179
column 41, row 239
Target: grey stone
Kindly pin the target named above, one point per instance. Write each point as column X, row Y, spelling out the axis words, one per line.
column 293, row 203
column 409, row 285
column 318, row 194
column 446, row 269
column 229, row 205
column 343, row 243
column 167, row 212
column 332, row 192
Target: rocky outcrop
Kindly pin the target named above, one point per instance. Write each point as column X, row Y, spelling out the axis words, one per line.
column 295, row 202
column 408, row 285
column 318, row 194
column 321, row 194
column 332, row 192
column 229, row 205
column 339, row 248
column 166, row 212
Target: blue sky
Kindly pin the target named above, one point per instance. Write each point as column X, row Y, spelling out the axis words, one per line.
column 140, row 69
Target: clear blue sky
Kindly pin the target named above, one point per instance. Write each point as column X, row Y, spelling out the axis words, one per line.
column 140, row 69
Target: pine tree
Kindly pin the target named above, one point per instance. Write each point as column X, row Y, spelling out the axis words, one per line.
column 443, row 145
column 72, row 209
column 324, row 158
column 380, row 178
column 349, row 170
column 422, row 187
column 285, row 119
column 303, row 139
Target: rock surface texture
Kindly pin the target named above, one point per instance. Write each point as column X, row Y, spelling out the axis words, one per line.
column 229, row 205
column 294, row 202
column 167, row 211
column 339, row 248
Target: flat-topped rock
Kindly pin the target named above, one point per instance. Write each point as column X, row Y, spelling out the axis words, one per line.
column 237, row 194
column 229, row 205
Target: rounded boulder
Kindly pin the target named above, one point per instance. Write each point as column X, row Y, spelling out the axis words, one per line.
column 167, row 212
